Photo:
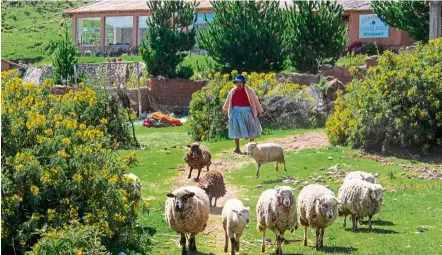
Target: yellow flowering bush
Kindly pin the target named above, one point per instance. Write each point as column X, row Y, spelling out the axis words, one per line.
column 206, row 118
column 397, row 103
column 57, row 160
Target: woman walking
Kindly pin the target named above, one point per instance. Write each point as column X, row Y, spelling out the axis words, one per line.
column 243, row 108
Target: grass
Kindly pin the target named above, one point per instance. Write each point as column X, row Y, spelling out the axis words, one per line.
column 349, row 60
column 409, row 222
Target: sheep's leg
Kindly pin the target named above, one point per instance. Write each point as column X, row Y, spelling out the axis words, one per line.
column 283, row 162
column 277, row 165
column 322, row 238
column 317, row 239
column 237, row 237
column 208, row 168
column 278, row 247
column 233, row 244
column 199, row 172
column 258, row 166
column 263, row 246
column 369, row 222
column 210, row 201
column 192, row 243
column 355, row 222
column 215, row 201
column 183, row 243
column 190, row 172
column 345, row 221
column 305, row 235
column 226, row 242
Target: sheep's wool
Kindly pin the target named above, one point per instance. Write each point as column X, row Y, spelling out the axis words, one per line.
column 360, row 198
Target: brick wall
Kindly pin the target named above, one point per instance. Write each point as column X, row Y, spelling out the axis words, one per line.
column 173, row 94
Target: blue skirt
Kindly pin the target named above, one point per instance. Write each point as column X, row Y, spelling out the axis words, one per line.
column 242, row 123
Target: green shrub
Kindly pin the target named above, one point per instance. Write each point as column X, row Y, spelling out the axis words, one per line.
column 397, row 103
column 73, row 239
column 58, row 165
column 65, row 57
column 315, row 34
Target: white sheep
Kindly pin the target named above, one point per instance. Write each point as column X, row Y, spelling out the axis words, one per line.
column 276, row 210
column 317, row 208
column 368, row 177
column 360, row 199
column 187, row 211
column 266, row 152
column 134, row 179
column 235, row 218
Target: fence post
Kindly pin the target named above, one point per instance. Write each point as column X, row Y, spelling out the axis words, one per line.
column 139, row 91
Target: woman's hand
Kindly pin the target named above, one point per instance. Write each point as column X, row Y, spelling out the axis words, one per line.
column 261, row 113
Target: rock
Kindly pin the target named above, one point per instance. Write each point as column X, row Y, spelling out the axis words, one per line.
column 173, row 146
column 421, row 178
column 376, row 175
column 330, row 158
column 295, row 147
column 168, row 152
column 305, row 183
column 334, row 168
column 322, row 169
column 258, row 186
column 393, row 190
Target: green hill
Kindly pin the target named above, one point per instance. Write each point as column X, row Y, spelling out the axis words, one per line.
column 29, row 27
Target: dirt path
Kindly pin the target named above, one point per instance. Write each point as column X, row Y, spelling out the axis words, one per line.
column 235, row 162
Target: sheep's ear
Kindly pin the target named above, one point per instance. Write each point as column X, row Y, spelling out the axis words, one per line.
column 235, row 211
column 170, row 195
column 188, row 146
column 372, row 194
column 191, row 194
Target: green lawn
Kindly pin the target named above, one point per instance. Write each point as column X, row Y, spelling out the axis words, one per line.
column 415, row 203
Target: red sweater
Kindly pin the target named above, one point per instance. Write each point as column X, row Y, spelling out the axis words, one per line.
column 240, row 98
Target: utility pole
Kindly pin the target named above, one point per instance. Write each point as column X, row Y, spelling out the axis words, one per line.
column 435, row 19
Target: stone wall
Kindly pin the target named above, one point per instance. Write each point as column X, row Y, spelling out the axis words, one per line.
column 107, row 51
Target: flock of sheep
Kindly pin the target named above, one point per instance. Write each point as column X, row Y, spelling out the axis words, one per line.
column 279, row 210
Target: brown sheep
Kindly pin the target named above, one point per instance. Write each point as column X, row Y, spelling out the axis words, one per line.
column 213, row 184
column 198, row 157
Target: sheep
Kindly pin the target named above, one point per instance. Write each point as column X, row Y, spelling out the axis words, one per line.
column 360, row 199
column 266, row 152
column 235, row 218
column 317, row 208
column 351, row 176
column 276, row 210
column 135, row 180
column 187, row 211
column 360, row 175
column 213, row 184
column 198, row 157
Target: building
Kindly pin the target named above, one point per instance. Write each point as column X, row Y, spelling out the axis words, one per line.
column 109, row 26
column 7, row 65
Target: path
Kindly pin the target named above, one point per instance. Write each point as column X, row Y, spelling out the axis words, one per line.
column 235, row 162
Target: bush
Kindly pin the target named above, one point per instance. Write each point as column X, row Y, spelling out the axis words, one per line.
column 73, row 239
column 208, row 121
column 245, row 36
column 65, row 57
column 58, row 165
column 315, row 34
column 397, row 103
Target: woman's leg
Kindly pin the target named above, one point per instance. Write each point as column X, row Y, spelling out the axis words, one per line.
column 237, row 145
column 252, row 139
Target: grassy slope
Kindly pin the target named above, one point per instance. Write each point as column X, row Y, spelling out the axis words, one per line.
column 26, row 27
column 414, row 204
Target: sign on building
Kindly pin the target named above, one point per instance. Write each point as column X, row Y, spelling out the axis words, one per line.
column 371, row 26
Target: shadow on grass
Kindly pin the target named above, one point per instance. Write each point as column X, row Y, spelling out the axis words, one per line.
column 338, row 249
column 380, row 223
column 273, row 181
column 374, row 230
column 216, row 210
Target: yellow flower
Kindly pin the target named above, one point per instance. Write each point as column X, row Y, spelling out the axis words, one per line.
column 34, row 190
column 51, row 214
column 103, row 121
column 62, row 153
column 77, row 177
column 35, row 217
column 22, row 243
column 66, row 140
column 113, row 179
column 19, row 167
column 82, row 126
column 79, row 252
column 17, row 198
column 48, row 132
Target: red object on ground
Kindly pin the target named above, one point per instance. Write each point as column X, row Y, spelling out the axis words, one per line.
column 157, row 119
column 240, row 98
column 147, row 123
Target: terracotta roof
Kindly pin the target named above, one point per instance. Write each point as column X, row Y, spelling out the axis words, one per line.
column 116, row 6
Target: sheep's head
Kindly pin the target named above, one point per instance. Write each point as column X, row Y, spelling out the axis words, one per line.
column 285, row 196
column 251, row 147
column 195, row 149
column 328, row 207
column 243, row 214
column 377, row 193
column 181, row 200
column 206, row 188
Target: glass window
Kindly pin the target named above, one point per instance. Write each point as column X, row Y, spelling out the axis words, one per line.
column 119, row 30
column 142, row 28
column 201, row 23
column 88, row 31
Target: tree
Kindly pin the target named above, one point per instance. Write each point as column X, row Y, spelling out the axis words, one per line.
column 65, row 57
column 168, row 36
column 410, row 16
column 315, row 34
column 245, row 36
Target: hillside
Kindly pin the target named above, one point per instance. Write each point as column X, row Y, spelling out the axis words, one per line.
column 28, row 27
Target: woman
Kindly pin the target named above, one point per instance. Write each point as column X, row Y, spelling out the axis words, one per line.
column 243, row 108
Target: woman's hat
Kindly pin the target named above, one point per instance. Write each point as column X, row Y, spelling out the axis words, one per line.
column 240, row 78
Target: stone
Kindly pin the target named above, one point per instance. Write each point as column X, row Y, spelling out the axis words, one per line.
column 295, row 147
column 258, row 186
column 333, row 87
column 330, row 158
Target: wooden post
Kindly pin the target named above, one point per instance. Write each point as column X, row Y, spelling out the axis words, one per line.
column 135, row 31
column 74, row 29
column 103, row 32
column 435, row 19
column 139, row 91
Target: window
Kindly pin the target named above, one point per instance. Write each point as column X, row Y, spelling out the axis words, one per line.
column 88, row 31
column 119, row 30
column 142, row 28
column 201, row 24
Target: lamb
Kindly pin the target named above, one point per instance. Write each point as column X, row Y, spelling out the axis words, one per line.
column 351, row 176
column 276, row 210
column 235, row 218
column 213, row 184
column 266, row 152
column 187, row 211
column 361, row 176
column 317, row 208
column 360, row 199
column 198, row 157
column 135, row 180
